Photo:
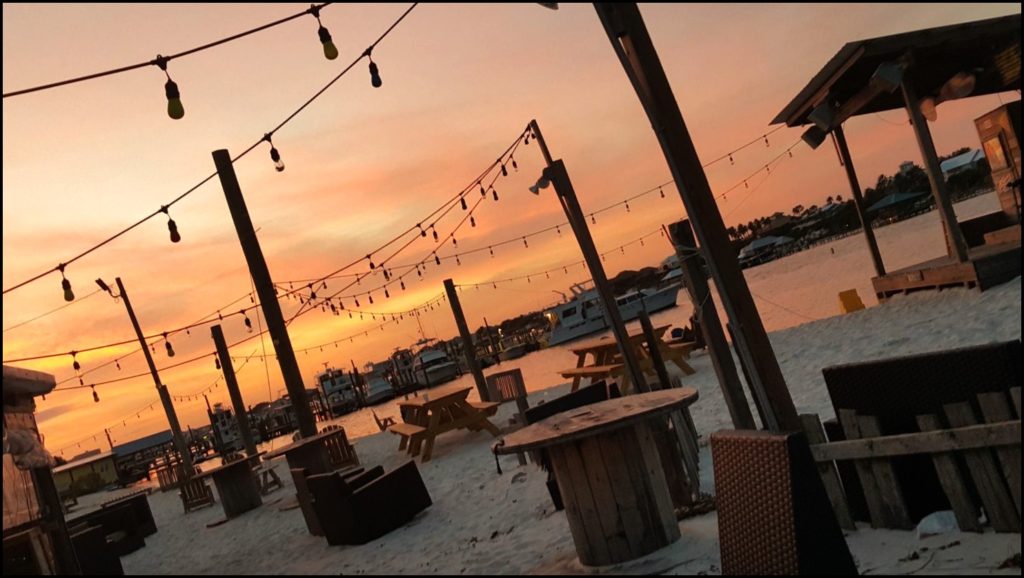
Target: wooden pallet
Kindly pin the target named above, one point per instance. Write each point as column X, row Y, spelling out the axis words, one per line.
column 988, row 265
column 990, row 449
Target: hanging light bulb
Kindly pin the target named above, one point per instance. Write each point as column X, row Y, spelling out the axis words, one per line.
column 418, row 272
column 662, row 191
column 434, row 231
column 69, row 295
column 766, row 143
column 745, row 185
column 330, row 50
column 491, row 250
column 504, row 171
column 370, row 297
column 387, row 274
column 117, row 362
column 483, row 193
column 422, row 232
column 170, row 348
column 525, row 244
column 368, row 258
column 171, row 225
column 457, row 260
column 437, row 259
column 401, row 283
column 276, row 157
column 514, row 165
column 175, row 109
column 248, row 322
column 386, row 294
column 731, row 162
column 627, row 206
column 593, row 221
column 494, row 192
column 472, row 221
column 463, row 201
column 95, row 396
column 790, row 153
column 454, row 241
column 74, row 361
column 374, row 72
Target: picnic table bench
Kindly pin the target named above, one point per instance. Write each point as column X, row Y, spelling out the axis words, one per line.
column 608, row 360
column 425, row 419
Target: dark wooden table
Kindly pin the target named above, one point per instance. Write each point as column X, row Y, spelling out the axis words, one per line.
column 607, row 464
column 237, row 485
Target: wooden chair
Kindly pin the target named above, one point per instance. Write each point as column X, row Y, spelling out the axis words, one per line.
column 268, row 479
column 95, row 556
column 139, row 503
column 367, row 505
column 341, row 452
column 383, row 424
column 509, row 386
column 196, row 494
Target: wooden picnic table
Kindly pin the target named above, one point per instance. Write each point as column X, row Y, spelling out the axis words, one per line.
column 607, row 362
column 425, row 419
column 609, row 472
column 237, row 485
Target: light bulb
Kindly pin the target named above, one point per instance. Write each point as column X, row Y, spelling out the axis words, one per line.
column 276, row 157
column 69, row 295
column 330, row 50
column 374, row 75
column 170, row 349
column 173, row 228
column 175, row 109
column 95, row 396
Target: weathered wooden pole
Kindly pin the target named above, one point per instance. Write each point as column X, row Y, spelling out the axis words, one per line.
column 265, row 290
column 956, row 245
column 241, row 415
column 165, row 397
column 490, row 338
column 696, row 282
column 652, row 348
column 556, row 173
column 467, row 340
column 858, row 201
column 628, row 34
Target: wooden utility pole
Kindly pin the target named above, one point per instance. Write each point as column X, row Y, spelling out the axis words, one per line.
column 109, row 441
column 858, row 200
column 652, row 348
column 628, row 34
column 557, row 174
column 241, row 415
column 494, row 347
column 696, row 282
column 165, row 397
column 956, row 245
column 265, row 290
column 467, row 340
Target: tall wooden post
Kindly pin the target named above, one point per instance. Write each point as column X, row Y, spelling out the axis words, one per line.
column 652, row 347
column 241, row 415
column 165, row 397
column 956, row 245
column 494, row 347
column 696, row 281
column 109, row 441
column 858, row 201
column 559, row 177
column 265, row 290
column 628, row 34
column 467, row 340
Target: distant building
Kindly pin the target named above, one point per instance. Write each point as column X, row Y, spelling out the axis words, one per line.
column 961, row 162
column 86, row 475
column 134, row 458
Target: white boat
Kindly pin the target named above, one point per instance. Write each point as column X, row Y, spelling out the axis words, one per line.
column 583, row 314
column 432, row 367
column 378, row 388
column 339, row 390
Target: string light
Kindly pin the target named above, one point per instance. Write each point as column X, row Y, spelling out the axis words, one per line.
column 463, row 201
column 374, row 71
column 175, row 109
column 494, row 192
column 525, row 244
column 74, row 361
column 69, row 295
column 95, row 396
column 330, row 50
column 472, row 221
column 274, row 155
column 170, row 348
column 171, row 225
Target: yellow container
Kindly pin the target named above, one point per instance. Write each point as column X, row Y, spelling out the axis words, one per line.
column 850, row 301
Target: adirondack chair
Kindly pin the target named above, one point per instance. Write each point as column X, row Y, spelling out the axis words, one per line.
column 341, row 452
column 196, row 494
column 383, row 424
column 366, row 505
column 509, row 386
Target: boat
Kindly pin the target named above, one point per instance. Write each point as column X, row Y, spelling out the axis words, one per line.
column 339, row 390
column 583, row 314
column 512, row 350
column 378, row 389
column 432, row 366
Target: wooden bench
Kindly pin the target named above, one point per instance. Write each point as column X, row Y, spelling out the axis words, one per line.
column 196, row 494
column 489, row 408
column 593, row 371
column 409, row 432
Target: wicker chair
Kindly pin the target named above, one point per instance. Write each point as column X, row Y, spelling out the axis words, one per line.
column 773, row 515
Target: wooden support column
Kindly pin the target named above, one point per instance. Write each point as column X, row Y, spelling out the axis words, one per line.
column 467, row 340
column 956, row 245
column 557, row 174
column 652, row 348
column 165, row 398
column 696, row 281
column 628, row 34
column 858, row 201
column 241, row 415
column 265, row 290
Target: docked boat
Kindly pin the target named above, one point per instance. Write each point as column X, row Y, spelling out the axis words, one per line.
column 339, row 390
column 512, row 350
column 377, row 389
column 432, row 366
column 583, row 314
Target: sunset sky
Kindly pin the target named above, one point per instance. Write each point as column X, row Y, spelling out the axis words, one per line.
column 460, row 82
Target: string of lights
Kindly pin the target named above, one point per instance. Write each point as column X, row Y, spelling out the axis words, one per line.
column 275, row 156
column 161, row 61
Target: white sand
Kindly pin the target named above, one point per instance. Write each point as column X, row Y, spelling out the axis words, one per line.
column 485, row 523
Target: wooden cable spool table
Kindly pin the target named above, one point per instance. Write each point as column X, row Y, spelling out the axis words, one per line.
column 610, row 474
column 237, row 485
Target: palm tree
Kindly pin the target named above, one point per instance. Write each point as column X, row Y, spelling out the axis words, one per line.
column 839, row 198
column 828, row 200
